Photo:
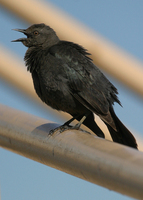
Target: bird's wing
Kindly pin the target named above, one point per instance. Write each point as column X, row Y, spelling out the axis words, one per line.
column 83, row 77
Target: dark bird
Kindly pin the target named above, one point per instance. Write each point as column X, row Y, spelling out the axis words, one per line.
column 66, row 79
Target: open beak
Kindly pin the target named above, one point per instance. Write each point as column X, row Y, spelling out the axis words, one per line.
column 20, row 39
column 20, row 30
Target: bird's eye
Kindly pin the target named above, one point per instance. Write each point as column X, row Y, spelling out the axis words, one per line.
column 36, row 32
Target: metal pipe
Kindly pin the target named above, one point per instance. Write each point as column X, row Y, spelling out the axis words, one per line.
column 78, row 153
column 107, row 56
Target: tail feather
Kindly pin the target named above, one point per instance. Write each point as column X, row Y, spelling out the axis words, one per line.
column 122, row 135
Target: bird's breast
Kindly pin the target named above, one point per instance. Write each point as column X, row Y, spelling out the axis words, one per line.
column 54, row 92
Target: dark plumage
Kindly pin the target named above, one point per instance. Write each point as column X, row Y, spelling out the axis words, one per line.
column 66, row 79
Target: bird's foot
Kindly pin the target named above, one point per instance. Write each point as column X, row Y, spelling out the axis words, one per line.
column 60, row 129
column 66, row 127
column 77, row 127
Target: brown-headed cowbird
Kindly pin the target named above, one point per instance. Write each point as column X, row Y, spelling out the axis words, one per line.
column 66, row 79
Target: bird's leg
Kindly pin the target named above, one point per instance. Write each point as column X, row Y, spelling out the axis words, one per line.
column 63, row 127
column 66, row 125
column 77, row 126
column 69, row 121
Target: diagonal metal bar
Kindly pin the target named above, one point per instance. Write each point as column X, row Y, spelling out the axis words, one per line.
column 78, row 153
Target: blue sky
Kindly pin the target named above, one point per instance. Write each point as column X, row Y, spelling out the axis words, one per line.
column 21, row 178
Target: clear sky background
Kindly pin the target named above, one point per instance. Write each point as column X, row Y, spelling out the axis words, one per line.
column 21, row 178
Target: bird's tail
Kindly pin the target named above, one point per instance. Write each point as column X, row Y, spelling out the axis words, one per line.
column 122, row 135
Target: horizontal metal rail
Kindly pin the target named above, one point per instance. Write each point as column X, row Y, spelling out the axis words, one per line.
column 75, row 152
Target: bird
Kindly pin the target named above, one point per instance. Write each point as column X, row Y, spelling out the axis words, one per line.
column 66, row 79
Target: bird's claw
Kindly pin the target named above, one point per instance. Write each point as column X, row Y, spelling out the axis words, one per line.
column 65, row 127
column 60, row 129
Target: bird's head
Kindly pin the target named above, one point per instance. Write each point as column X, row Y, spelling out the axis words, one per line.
column 38, row 35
